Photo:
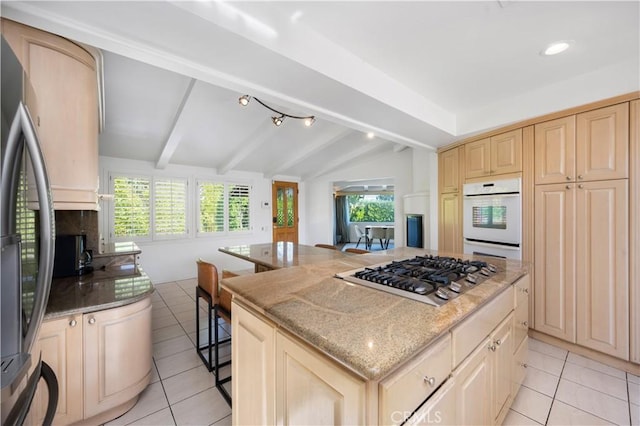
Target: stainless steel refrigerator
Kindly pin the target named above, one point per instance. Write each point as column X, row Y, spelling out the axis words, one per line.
column 28, row 235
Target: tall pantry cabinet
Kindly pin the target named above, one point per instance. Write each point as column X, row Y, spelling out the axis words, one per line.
column 451, row 176
column 582, row 229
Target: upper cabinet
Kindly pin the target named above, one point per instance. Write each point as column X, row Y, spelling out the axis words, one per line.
column 63, row 103
column 593, row 145
column 496, row 155
column 449, row 167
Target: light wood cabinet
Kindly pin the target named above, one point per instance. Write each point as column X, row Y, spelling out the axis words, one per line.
column 439, row 409
column 581, row 264
column 253, row 369
column 496, row 155
column 450, row 232
column 602, row 266
column 60, row 343
column 310, row 389
column 590, row 146
column 102, row 361
column 449, row 171
column 473, row 387
column 114, row 373
column 501, row 369
column 634, row 230
column 64, row 81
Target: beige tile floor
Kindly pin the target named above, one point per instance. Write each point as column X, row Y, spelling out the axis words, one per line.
column 561, row 388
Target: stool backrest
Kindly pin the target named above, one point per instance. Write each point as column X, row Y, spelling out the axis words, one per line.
column 208, row 279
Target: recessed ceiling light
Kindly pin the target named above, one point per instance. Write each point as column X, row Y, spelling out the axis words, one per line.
column 555, row 48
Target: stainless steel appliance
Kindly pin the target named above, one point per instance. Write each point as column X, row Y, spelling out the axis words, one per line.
column 27, row 250
column 492, row 218
column 72, row 257
column 428, row 279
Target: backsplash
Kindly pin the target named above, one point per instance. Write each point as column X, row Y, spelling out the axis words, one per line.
column 77, row 222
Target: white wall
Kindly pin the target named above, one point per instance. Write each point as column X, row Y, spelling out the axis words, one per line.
column 171, row 260
column 318, row 209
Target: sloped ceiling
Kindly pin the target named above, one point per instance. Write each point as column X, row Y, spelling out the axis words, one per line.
column 416, row 74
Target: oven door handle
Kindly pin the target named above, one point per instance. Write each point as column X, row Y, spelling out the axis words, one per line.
column 510, row 194
column 484, row 244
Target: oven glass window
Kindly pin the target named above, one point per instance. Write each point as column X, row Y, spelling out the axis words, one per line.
column 491, row 217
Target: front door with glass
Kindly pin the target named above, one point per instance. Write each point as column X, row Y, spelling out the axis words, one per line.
column 285, row 211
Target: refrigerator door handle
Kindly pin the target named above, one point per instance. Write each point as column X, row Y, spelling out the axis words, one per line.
column 22, row 125
column 19, row 412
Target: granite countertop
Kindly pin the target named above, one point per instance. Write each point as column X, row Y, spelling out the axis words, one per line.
column 368, row 331
column 97, row 291
column 283, row 254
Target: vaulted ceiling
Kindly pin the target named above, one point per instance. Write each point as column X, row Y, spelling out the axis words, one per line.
column 416, row 74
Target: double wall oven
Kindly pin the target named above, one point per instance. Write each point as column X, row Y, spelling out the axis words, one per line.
column 492, row 218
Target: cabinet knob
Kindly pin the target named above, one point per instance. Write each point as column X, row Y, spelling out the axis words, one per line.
column 429, row 380
column 492, row 348
column 568, row 186
column 581, row 186
column 524, row 365
column 92, row 320
column 580, row 177
column 568, row 177
column 498, row 342
column 525, row 323
column 525, row 290
column 73, row 323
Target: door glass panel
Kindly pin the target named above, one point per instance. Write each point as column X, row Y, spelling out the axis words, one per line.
column 280, row 207
column 290, row 205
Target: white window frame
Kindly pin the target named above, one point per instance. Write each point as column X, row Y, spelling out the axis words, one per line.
column 112, row 213
column 154, row 210
column 226, row 228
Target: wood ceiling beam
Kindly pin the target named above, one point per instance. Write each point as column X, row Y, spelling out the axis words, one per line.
column 310, row 149
column 174, row 138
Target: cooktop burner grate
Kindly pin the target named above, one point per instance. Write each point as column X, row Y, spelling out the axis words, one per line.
column 429, row 279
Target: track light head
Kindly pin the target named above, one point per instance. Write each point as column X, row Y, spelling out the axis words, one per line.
column 277, row 120
column 309, row 121
column 244, row 100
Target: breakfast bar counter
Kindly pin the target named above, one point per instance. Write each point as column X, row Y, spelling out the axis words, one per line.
column 390, row 353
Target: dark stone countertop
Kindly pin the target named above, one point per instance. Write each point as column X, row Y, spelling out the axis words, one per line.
column 97, row 291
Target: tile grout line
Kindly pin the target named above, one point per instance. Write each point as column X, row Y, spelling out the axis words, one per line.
column 553, row 400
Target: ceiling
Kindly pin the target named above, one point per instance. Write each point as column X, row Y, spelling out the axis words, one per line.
column 416, row 74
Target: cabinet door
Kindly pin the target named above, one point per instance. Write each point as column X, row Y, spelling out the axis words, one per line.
column 634, row 231
column 450, row 232
column 473, row 388
column 602, row 150
column 506, row 152
column 502, row 368
column 313, row 390
column 477, row 158
column 60, row 343
column 449, row 170
column 555, row 151
column 554, row 277
column 602, row 266
column 117, row 356
column 253, row 348
column 64, row 80
column 440, row 409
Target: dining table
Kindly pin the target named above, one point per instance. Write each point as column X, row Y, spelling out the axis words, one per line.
column 281, row 254
column 384, row 233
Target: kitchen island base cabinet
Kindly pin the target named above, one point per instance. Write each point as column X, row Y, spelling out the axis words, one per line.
column 102, row 361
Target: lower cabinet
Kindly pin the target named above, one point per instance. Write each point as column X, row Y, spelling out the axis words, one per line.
column 102, row 361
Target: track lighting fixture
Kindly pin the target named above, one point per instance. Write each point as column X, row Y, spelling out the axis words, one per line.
column 277, row 119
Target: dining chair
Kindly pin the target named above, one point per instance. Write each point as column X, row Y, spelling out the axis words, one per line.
column 389, row 235
column 361, row 235
column 219, row 302
column 380, row 234
column 327, row 246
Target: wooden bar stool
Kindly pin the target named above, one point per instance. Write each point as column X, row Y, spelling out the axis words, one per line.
column 219, row 301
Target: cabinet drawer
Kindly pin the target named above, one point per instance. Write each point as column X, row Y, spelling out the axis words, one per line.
column 521, row 318
column 468, row 335
column 521, row 288
column 520, row 365
column 405, row 390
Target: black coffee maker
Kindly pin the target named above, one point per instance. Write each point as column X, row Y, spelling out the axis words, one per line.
column 72, row 257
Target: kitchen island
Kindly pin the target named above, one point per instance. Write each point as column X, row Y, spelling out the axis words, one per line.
column 309, row 346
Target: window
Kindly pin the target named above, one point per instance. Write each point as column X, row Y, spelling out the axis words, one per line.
column 371, row 208
column 170, row 208
column 223, row 207
column 131, row 207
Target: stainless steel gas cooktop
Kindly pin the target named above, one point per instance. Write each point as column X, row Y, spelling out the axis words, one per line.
column 429, row 279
